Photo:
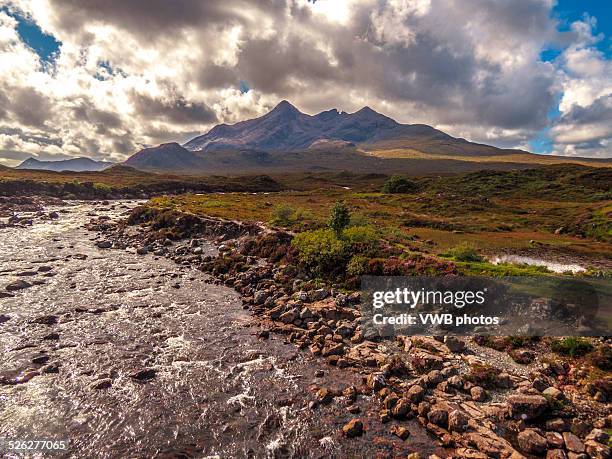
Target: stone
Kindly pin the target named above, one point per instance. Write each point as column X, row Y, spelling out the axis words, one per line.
column 144, row 374
column 333, row 349
column 104, row 244
column 457, row 421
column 354, row 428
column 390, row 401
column 401, row 432
column 401, row 409
column 454, row 344
column 553, row 392
column 597, row 450
column 415, row 394
column 384, row 416
column 438, row 416
column 557, row 425
column 375, row 382
column 554, row 439
column 478, row 394
column 598, row 435
column 556, row 454
column 573, row 443
column 526, row 407
column 18, row 285
column 103, row 383
column 532, row 442
column 324, row 396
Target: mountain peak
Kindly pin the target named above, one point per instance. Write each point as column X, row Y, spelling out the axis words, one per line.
column 284, row 107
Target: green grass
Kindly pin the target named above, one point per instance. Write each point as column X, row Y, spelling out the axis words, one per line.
column 572, row 346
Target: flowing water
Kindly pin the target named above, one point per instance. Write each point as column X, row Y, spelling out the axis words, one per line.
column 123, row 355
column 554, row 266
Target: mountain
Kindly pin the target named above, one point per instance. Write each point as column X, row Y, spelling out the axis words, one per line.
column 286, row 139
column 285, row 128
column 74, row 164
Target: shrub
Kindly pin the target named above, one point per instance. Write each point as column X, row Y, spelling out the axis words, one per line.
column 321, row 250
column 602, row 358
column 464, row 252
column 572, row 346
column 358, row 265
column 362, row 239
column 398, row 184
column 340, row 218
column 283, row 215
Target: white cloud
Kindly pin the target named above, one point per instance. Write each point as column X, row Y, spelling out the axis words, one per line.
column 138, row 73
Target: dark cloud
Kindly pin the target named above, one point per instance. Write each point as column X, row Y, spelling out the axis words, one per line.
column 30, row 107
column 175, row 109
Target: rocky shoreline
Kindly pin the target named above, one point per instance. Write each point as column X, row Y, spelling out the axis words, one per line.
column 475, row 400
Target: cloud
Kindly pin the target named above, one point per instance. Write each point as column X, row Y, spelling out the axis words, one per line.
column 130, row 74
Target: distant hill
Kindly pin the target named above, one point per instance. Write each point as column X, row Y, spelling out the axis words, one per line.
column 286, row 139
column 74, row 165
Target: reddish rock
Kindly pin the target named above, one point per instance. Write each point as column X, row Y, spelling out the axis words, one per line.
column 354, row 428
column 532, row 442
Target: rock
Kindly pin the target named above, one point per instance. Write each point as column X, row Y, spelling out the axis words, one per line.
column 401, row 432
column 438, row 416
column 104, row 244
column 46, row 320
column 319, row 374
column 353, row 409
column 142, row 250
column 324, row 396
column 554, row 440
column 457, row 421
column 522, row 356
column 532, row 442
column 384, row 416
column 354, row 428
column 597, row 450
column 103, row 383
column 415, row 394
column 526, row 407
column 573, row 443
column 401, row 409
column 4, row 317
column 553, row 392
column 143, row 375
column 375, row 382
column 598, row 435
column 289, row 316
column 53, row 215
column 556, row 454
column 318, row 295
column 557, row 425
column 333, row 349
column 390, row 401
column 454, row 344
column 18, row 285
column 478, row 394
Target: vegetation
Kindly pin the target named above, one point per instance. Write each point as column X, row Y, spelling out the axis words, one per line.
column 398, row 184
column 572, row 346
column 464, row 252
column 340, row 218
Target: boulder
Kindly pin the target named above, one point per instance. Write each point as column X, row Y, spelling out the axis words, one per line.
column 532, row 442
column 573, row 443
column 18, row 285
column 526, row 407
column 354, row 428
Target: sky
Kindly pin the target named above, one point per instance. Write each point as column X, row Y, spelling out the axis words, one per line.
column 105, row 78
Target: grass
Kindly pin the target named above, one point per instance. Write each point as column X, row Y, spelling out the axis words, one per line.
column 572, row 346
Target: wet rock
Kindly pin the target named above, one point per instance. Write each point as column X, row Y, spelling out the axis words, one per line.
column 454, row 344
column 376, row 382
column 18, row 285
column 478, row 394
column 527, row 406
column 457, row 421
column 401, row 432
column 103, row 383
column 531, row 442
column 104, row 244
column 46, row 320
column 354, row 428
column 415, row 394
column 573, row 443
column 553, row 392
column 144, row 374
column 324, row 396
column 401, row 409
column 438, row 416
column 597, row 450
column 556, row 454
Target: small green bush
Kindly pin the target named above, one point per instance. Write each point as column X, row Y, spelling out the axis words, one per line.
column 321, row 250
column 340, row 217
column 362, row 239
column 358, row 265
column 283, row 215
column 573, row 346
column 398, row 184
column 464, row 252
